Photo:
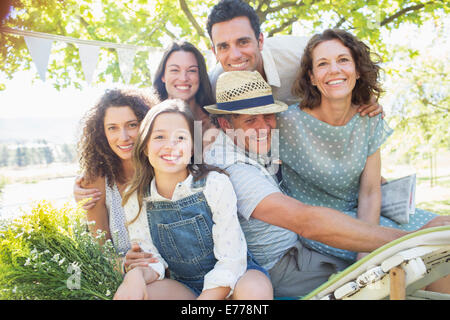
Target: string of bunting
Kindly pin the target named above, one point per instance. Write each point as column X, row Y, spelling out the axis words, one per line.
column 39, row 45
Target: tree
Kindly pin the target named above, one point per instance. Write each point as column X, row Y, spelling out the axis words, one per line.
column 152, row 23
column 4, row 156
column 419, row 100
column 68, row 153
column 48, row 154
column 22, row 156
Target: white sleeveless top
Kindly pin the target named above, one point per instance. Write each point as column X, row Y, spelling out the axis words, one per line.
column 116, row 215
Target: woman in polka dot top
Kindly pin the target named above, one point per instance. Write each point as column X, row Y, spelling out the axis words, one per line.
column 330, row 154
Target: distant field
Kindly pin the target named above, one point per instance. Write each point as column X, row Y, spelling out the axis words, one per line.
column 25, row 180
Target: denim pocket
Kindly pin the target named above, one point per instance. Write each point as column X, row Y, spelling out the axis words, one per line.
column 188, row 247
column 187, row 242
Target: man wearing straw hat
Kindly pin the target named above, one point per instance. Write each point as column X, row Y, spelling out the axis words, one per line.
column 273, row 222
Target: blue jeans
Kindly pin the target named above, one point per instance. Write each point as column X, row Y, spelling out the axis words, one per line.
column 182, row 232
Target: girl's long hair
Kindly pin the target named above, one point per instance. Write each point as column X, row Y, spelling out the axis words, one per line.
column 144, row 172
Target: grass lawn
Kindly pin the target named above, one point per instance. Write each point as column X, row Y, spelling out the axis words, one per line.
column 442, row 187
column 434, row 198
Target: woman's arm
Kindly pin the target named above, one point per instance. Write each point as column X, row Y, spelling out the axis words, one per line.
column 98, row 214
column 369, row 199
column 369, row 196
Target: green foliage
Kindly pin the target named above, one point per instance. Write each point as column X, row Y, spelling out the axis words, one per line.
column 152, row 23
column 420, row 101
column 48, row 254
column 417, row 115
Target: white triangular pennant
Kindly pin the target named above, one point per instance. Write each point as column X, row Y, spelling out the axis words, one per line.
column 40, row 52
column 154, row 58
column 126, row 62
column 88, row 57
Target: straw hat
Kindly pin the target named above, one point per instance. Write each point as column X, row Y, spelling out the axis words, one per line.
column 244, row 92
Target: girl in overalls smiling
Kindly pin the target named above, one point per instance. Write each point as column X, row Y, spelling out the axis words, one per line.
column 185, row 215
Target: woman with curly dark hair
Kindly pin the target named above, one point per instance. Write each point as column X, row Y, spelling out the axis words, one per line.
column 330, row 155
column 105, row 148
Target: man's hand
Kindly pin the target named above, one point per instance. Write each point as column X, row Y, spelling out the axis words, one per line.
column 135, row 257
column 80, row 193
column 371, row 109
column 437, row 222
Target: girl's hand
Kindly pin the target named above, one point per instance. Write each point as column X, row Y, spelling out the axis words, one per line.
column 135, row 257
column 133, row 286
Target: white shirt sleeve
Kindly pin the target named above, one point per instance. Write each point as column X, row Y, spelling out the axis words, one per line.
column 139, row 232
column 230, row 247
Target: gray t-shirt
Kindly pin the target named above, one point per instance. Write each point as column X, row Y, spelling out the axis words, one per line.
column 251, row 183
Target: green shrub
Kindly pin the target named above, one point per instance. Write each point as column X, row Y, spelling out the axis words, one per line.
column 49, row 254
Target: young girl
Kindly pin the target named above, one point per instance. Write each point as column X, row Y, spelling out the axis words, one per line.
column 185, row 215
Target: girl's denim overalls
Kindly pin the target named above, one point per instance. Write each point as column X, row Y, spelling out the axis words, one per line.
column 182, row 232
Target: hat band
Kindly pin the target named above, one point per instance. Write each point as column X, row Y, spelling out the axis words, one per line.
column 245, row 103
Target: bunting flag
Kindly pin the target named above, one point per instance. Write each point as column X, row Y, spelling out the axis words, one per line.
column 39, row 45
column 88, row 57
column 126, row 62
column 154, row 58
column 40, row 52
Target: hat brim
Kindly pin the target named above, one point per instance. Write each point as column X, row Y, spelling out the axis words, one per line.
column 276, row 107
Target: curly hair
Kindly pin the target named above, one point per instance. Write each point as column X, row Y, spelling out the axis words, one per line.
column 96, row 157
column 366, row 87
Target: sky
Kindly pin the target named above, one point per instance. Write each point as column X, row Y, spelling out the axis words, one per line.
column 42, row 100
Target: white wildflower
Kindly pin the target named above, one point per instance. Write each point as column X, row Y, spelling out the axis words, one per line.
column 62, row 261
column 108, row 293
